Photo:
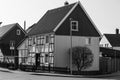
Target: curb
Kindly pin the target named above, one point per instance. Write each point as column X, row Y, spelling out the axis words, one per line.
column 75, row 76
column 64, row 75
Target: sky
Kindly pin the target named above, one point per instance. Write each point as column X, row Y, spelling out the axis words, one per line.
column 104, row 13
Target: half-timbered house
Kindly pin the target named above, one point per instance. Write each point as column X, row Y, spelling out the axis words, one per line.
column 50, row 39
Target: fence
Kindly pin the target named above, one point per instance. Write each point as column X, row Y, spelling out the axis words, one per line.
column 9, row 62
column 109, row 65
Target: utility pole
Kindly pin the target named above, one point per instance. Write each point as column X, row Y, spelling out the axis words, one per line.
column 70, row 46
column 115, row 61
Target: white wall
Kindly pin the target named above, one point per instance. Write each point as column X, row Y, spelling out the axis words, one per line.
column 62, row 44
column 22, row 47
column 105, row 41
column 116, row 48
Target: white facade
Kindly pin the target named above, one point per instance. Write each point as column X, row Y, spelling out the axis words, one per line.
column 23, row 51
column 63, row 44
column 34, row 45
column 61, row 57
column 104, row 42
column 116, row 48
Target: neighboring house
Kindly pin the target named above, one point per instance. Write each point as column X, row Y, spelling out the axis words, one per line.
column 110, row 52
column 49, row 40
column 23, row 49
column 10, row 36
column 111, row 40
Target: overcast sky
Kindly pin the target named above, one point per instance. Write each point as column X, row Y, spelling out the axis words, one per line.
column 104, row 13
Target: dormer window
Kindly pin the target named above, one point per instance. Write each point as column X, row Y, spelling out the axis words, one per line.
column 18, row 32
column 74, row 25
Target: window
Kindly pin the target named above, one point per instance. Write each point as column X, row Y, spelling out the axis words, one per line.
column 74, row 25
column 106, row 45
column 41, row 59
column 38, row 40
column 46, row 58
column 18, row 32
column 88, row 41
column 29, row 41
column 51, row 58
column 34, row 40
column 47, row 39
column 31, row 60
column 12, row 43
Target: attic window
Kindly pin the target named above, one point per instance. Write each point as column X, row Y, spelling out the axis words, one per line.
column 74, row 25
column 106, row 45
column 18, row 32
column 12, row 45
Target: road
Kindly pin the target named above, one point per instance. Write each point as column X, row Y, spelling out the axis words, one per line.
column 4, row 75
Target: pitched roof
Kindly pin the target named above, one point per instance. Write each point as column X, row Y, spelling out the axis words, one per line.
column 29, row 29
column 114, row 39
column 5, row 29
column 50, row 20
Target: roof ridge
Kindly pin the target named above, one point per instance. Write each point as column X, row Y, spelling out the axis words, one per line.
column 6, row 28
column 62, row 6
column 9, row 24
column 111, row 34
column 47, row 17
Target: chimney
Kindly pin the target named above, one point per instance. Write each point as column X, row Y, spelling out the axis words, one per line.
column 66, row 3
column 24, row 25
column 117, row 31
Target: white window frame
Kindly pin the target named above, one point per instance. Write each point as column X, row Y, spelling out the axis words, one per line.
column 76, row 25
column 18, row 32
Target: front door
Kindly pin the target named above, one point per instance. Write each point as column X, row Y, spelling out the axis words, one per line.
column 37, row 60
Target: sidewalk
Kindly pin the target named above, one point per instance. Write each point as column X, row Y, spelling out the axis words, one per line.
column 59, row 75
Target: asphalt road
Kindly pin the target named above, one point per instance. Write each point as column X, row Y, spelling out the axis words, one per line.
column 6, row 75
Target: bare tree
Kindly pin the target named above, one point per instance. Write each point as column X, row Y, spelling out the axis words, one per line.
column 82, row 57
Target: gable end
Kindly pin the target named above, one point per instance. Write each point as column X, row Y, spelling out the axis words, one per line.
column 85, row 25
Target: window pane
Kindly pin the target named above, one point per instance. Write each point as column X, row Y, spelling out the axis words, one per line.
column 51, row 47
column 88, row 41
column 18, row 32
column 47, row 39
column 46, row 58
column 74, row 25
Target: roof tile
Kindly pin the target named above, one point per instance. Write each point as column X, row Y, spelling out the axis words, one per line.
column 50, row 20
column 114, row 39
column 5, row 29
